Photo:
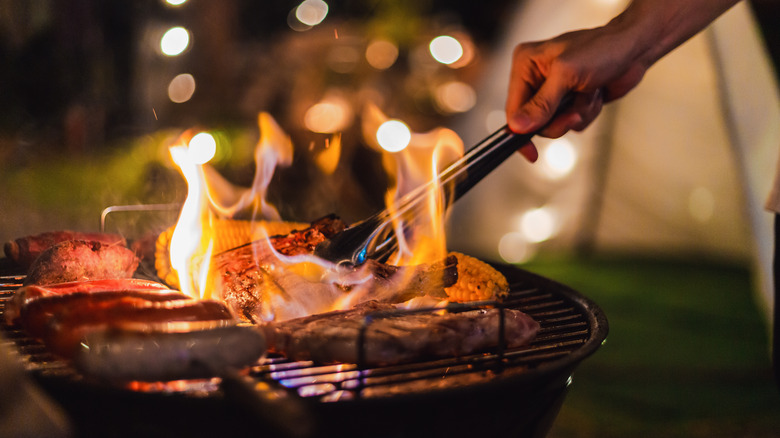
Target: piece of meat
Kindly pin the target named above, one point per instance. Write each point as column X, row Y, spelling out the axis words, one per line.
column 196, row 353
column 36, row 314
column 31, row 292
column 393, row 338
column 260, row 286
column 24, row 250
column 65, row 330
column 78, row 260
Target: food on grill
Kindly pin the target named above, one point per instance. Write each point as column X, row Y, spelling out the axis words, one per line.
column 77, row 260
column 477, row 281
column 24, row 250
column 227, row 233
column 31, row 292
column 122, row 355
column 66, row 329
column 36, row 314
column 392, row 336
column 259, row 287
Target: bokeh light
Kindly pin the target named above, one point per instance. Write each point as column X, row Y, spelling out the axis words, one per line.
column 175, row 2
column 514, row 248
column 446, row 49
column 175, row 41
column 311, row 12
column 393, row 135
column 202, row 148
column 381, row 54
column 328, row 116
column 538, row 225
column 455, row 97
column 559, row 157
column 181, row 88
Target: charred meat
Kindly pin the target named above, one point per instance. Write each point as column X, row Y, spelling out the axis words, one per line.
column 390, row 336
column 78, row 260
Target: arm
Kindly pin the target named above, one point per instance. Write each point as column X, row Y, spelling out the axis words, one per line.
column 598, row 65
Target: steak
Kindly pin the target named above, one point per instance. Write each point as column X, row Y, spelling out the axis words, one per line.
column 393, row 337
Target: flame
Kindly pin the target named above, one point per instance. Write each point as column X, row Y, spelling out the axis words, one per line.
column 412, row 167
column 210, row 197
column 306, row 284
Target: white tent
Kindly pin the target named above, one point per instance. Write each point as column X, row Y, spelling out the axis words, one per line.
column 680, row 167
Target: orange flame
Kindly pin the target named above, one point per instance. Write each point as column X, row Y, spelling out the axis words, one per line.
column 315, row 285
column 210, row 196
column 415, row 166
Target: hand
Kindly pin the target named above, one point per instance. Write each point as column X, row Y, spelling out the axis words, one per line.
column 594, row 66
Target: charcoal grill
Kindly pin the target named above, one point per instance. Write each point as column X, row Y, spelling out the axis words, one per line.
column 506, row 392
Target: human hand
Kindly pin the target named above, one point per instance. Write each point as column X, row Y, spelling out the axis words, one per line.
column 594, row 66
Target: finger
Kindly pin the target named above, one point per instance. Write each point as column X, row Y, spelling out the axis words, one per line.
column 540, row 108
column 529, row 151
column 584, row 108
column 523, row 83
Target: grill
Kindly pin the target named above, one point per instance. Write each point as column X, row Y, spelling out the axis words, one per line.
column 512, row 392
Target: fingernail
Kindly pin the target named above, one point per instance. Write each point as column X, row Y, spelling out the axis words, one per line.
column 519, row 123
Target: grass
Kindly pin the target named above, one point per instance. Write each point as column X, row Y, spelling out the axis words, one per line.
column 687, row 354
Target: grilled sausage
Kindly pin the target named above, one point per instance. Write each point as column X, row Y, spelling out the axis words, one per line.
column 31, row 292
column 24, row 250
column 66, row 329
column 122, row 355
column 35, row 315
column 76, row 260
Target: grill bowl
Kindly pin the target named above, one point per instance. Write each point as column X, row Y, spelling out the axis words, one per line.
column 514, row 392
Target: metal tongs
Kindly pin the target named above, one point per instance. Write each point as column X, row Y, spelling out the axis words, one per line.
column 375, row 238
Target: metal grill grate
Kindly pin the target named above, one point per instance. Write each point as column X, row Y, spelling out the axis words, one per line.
column 571, row 329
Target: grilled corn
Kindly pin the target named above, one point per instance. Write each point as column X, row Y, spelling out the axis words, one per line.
column 477, row 281
column 228, row 234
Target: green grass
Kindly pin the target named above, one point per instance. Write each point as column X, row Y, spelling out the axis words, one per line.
column 687, row 354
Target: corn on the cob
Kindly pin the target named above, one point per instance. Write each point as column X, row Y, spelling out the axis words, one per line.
column 477, row 281
column 228, row 234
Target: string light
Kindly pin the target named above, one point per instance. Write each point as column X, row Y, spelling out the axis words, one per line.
column 181, row 88
column 559, row 158
column 514, row 248
column 381, row 54
column 455, row 97
column 538, row 225
column 175, row 41
column 393, row 135
column 446, row 49
column 311, row 12
column 202, row 148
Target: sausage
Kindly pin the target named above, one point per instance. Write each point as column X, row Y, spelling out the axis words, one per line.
column 35, row 315
column 123, row 355
column 31, row 292
column 66, row 329
column 24, row 250
column 76, row 260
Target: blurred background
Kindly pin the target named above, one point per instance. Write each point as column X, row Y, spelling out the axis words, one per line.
column 655, row 211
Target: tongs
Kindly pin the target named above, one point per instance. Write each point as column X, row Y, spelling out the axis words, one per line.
column 375, row 238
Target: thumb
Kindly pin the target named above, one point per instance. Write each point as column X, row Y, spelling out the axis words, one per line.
column 537, row 111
